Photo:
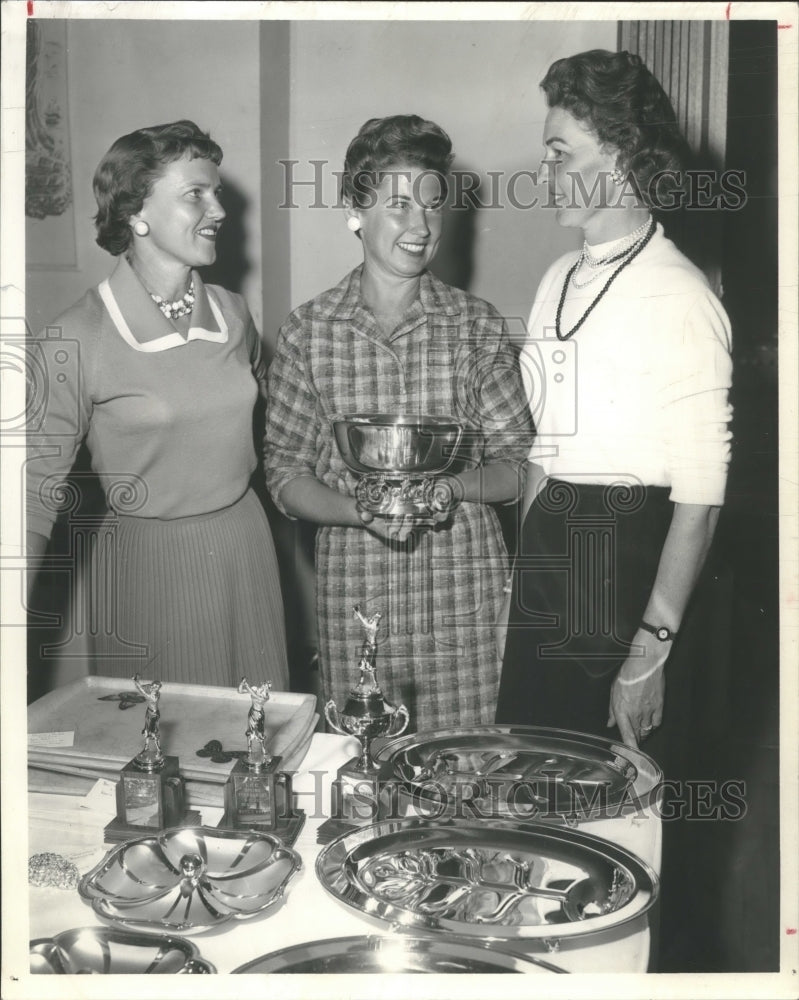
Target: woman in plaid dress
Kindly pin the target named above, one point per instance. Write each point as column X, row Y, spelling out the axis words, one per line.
column 392, row 338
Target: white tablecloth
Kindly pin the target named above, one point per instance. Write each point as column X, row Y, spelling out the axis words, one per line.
column 59, row 823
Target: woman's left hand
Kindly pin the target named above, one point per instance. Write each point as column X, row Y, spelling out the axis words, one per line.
column 637, row 694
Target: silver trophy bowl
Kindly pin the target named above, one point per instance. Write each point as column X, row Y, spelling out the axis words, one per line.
column 392, row 443
column 397, row 457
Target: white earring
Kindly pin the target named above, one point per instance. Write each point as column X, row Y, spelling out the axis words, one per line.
column 353, row 224
column 616, row 176
column 140, row 228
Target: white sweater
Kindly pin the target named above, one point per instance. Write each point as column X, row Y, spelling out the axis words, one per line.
column 640, row 391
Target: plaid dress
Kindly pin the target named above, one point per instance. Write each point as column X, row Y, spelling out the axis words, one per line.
column 440, row 592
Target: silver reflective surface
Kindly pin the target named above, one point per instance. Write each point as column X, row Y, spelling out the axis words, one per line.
column 510, row 770
column 104, row 951
column 492, row 880
column 399, row 954
column 190, row 879
column 396, row 443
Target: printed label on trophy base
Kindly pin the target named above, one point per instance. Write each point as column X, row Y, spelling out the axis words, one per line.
column 149, row 801
column 261, row 800
column 355, row 796
column 358, row 798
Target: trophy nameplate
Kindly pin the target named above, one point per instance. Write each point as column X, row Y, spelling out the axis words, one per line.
column 358, row 795
column 258, row 795
column 150, row 793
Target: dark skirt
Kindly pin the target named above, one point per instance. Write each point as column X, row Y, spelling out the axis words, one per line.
column 194, row 599
column 588, row 557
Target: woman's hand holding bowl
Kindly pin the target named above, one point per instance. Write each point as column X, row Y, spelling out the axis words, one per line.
column 397, row 529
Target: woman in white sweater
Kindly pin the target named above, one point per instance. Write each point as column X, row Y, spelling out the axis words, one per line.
column 628, row 471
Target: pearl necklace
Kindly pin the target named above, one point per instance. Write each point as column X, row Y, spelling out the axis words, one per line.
column 598, row 272
column 629, row 256
column 617, row 249
column 180, row 307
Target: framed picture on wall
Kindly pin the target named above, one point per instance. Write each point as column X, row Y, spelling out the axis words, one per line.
column 49, row 204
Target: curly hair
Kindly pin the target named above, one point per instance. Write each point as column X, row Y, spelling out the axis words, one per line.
column 399, row 140
column 617, row 97
column 127, row 172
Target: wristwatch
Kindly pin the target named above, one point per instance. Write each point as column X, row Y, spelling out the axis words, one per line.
column 661, row 632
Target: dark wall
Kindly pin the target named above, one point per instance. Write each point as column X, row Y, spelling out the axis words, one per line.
column 731, row 870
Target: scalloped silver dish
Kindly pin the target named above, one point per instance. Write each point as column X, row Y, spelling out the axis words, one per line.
column 190, row 879
column 498, row 880
column 400, row 954
column 106, row 951
column 519, row 770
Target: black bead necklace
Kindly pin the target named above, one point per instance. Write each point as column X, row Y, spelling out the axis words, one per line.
column 630, row 258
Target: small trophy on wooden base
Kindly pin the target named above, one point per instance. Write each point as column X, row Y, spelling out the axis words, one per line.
column 258, row 796
column 355, row 795
column 150, row 792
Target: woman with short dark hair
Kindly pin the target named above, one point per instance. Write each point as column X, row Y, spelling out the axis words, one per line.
column 627, row 109
column 392, row 338
column 163, row 375
column 127, row 172
column 628, row 473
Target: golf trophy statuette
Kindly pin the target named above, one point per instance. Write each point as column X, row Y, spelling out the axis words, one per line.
column 150, row 793
column 355, row 795
column 258, row 796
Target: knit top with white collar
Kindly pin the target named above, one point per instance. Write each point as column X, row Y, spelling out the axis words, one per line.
column 167, row 418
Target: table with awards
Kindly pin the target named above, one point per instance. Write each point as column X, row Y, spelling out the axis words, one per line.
column 199, row 830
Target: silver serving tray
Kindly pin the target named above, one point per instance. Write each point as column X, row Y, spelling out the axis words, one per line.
column 499, row 880
column 519, row 770
column 399, row 954
column 106, row 951
column 190, row 879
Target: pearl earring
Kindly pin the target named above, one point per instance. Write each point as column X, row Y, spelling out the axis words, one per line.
column 353, row 224
column 616, row 176
column 140, row 228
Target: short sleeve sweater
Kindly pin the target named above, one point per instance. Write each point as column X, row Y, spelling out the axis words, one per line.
column 640, row 392
column 167, row 418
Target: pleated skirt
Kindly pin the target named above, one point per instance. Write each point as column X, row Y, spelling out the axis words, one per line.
column 195, row 600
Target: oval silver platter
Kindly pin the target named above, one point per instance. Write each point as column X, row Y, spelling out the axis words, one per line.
column 398, row 954
column 190, row 879
column 107, row 951
column 519, row 770
column 499, row 880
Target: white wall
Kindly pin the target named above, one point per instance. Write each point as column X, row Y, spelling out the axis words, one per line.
column 126, row 74
column 479, row 81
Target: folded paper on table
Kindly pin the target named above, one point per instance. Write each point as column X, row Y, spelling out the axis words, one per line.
column 106, row 737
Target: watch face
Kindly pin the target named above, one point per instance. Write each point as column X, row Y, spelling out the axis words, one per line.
column 663, row 633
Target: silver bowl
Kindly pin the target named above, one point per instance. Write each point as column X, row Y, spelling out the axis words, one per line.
column 397, row 444
column 105, row 951
column 400, row 954
column 190, row 879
